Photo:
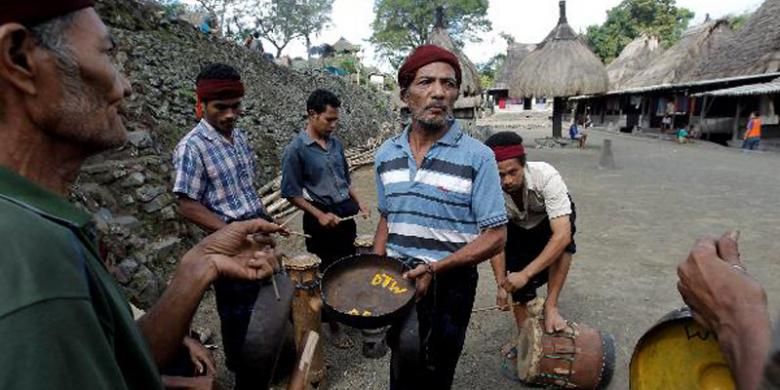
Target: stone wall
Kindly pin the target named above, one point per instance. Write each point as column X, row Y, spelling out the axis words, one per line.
column 129, row 189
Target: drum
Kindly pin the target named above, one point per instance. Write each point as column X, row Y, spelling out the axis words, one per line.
column 364, row 244
column 303, row 271
column 579, row 357
column 367, row 291
column 677, row 353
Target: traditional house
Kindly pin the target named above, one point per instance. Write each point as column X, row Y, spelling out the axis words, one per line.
column 562, row 66
column 499, row 92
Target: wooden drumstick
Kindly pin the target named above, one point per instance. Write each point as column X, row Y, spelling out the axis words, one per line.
column 491, row 308
column 304, row 235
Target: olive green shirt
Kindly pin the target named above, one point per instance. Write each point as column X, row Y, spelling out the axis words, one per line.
column 64, row 324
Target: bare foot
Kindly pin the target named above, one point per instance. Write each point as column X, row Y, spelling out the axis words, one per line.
column 553, row 321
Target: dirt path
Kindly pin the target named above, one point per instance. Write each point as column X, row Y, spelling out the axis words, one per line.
column 634, row 225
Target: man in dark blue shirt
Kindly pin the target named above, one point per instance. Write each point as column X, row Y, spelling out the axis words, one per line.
column 315, row 178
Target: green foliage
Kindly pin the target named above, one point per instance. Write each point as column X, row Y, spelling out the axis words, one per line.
column 489, row 70
column 632, row 18
column 738, row 21
column 401, row 25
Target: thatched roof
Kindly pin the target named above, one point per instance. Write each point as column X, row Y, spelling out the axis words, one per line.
column 680, row 62
column 515, row 54
column 471, row 85
column 770, row 88
column 754, row 49
column 633, row 59
column 561, row 66
column 345, row 46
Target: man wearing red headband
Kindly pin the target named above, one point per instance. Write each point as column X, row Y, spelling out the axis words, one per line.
column 442, row 212
column 540, row 232
column 65, row 323
column 214, row 181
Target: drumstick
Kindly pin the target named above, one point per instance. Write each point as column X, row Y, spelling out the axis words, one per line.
column 276, row 289
column 350, row 218
column 304, row 235
column 491, row 308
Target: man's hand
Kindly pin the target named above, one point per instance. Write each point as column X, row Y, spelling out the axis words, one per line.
column 329, row 220
column 515, row 281
column 364, row 212
column 238, row 251
column 201, row 357
column 713, row 283
column 724, row 298
column 502, row 299
column 422, row 276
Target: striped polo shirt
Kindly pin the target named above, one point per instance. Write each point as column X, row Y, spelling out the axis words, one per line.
column 439, row 208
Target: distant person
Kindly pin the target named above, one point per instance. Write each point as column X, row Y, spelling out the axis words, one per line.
column 577, row 134
column 682, row 135
column 257, row 43
column 727, row 300
column 753, row 132
column 668, row 121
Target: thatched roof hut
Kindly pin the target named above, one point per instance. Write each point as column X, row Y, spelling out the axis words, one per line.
column 439, row 37
column 633, row 59
column 561, row 66
column 515, row 54
column 344, row 46
column 754, row 49
column 680, row 62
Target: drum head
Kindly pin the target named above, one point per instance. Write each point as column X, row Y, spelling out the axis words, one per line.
column 302, row 262
column 367, row 291
column 677, row 353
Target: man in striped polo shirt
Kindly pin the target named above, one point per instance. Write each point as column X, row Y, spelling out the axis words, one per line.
column 442, row 211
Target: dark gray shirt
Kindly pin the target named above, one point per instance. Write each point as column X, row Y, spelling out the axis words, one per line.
column 316, row 174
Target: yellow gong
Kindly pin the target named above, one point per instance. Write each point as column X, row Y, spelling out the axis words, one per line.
column 678, row 354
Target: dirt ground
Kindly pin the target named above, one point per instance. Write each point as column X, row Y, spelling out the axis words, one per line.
column 634, row 225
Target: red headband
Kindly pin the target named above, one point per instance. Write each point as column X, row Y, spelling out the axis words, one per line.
column 217, row 90
column 510, row 151
column 32, row 12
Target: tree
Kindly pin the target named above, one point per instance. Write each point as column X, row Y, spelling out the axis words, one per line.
column 489, row 69
column 221, row 9
column 281, row 21
column 632, row 18
column 401, row 25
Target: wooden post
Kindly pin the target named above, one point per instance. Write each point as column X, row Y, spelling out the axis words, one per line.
column 703, row 116
column 557, row 113
column 735, row 130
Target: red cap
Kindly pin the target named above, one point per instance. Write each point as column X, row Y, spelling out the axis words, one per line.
column 32, row 12
column 424, row 55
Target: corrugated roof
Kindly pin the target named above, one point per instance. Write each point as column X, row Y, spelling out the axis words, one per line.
column 772, row 87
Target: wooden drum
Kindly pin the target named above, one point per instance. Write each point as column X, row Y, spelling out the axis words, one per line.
column 579, row 357
column 306, row 309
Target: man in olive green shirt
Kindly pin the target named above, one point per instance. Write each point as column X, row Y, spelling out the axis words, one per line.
column 63, row 322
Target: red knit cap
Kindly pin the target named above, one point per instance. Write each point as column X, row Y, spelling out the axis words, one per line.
column 424, row 55
column 32, row 12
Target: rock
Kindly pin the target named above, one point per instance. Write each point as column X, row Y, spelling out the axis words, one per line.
column 145, row 287
column 139, row 139
column 127, row 221
column 125, row 270
column 135, row 179
column 103, row 220
column 168, row 213
column 165, row 248
column 147, row 193
column 158, row 203
column 127, row 200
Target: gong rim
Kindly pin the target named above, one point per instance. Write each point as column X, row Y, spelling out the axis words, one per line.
column 357, row 321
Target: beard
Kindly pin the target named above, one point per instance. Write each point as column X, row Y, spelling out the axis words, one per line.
column 82, row 117
column 433, row 123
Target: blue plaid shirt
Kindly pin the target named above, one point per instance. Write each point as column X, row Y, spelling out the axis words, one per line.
column 436, row 210
column 218, row 174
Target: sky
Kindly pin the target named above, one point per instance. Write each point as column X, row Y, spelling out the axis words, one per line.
column 529, row 21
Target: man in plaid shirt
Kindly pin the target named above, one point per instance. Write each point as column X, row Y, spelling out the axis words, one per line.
column 215, row 170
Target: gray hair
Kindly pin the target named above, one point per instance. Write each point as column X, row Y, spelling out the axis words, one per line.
column 51, row 35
